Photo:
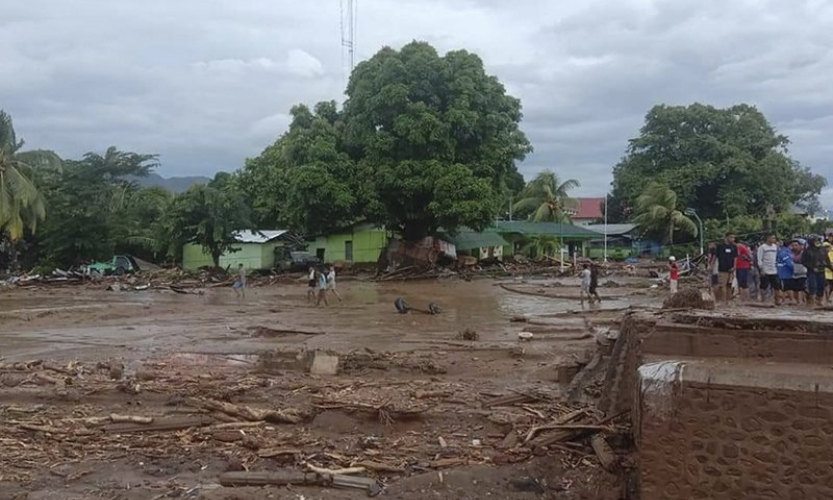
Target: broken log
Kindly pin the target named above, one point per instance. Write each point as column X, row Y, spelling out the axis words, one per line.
column 289, row 416
column 510, row 400
column 379, row 466
column 172, row 424
column 336, row 472
column 130, row 419
column 447, row 462
column 277, row 452
column 280, row 478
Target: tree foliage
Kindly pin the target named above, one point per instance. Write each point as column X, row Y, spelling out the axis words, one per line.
column 657, row 212
column 92, row 207
column 722, row 162
column 22, row 204
column 208, row 216
column 422, row 141
column 546, row 198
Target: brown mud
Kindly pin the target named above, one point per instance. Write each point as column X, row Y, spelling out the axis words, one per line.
column 155, row 394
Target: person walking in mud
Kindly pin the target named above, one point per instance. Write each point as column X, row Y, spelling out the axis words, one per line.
column 594, row 283
column 239, row 285
column 322, row 289
column 311, row 284
column 331, row 282
column 585, row 283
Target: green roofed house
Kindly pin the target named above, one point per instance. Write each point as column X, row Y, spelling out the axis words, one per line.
column 520, row 234
column 256, row 250
column 486, row 245
column 360, row 244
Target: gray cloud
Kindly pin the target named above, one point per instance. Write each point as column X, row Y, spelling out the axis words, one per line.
column 207, row 83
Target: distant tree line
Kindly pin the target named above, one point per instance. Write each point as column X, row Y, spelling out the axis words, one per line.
column 423, row 142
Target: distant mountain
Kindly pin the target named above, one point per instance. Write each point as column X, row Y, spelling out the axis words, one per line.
column 175, row 184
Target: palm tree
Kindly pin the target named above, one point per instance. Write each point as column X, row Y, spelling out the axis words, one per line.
column 21, row 204
column 542, row 246
column 545, row 197
column 656, row 211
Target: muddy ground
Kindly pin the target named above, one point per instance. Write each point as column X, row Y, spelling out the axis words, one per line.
column 152, row 394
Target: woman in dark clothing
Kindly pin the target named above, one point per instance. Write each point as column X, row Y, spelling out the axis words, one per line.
column 816, row 260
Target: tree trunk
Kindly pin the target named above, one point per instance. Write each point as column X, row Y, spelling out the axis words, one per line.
column 215, row 256
column 415, row 231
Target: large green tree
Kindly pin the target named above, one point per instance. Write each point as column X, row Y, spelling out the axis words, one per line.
column 546, row 197
column 208, row 216
column 721, row 162
column 89, row 206
column 434, row 138
column 658, row 213
column 22, row 204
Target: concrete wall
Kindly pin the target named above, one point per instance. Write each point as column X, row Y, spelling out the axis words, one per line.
column 727, row 406
column 253, row 256
column 717, row 432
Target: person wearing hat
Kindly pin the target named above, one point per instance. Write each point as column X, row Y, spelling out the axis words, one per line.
column 673, row 275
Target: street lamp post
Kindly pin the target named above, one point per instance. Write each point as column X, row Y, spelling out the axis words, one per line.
column 605, row 228
column 690, row 212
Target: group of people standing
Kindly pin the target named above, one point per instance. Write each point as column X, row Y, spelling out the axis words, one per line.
column 323, row 280
column 799, row 271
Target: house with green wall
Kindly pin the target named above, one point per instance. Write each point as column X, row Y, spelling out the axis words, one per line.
column 519, row 234
column 361, row 243
column 255, row 250
column 480, row 245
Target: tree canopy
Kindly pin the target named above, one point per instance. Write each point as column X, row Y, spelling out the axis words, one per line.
column 423, row 141
column 546, row 198
column 22, row 204
column 721, row 162
column 658, row 212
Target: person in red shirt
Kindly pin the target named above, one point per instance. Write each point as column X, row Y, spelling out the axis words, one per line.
column 673, row 275
column 743, row 266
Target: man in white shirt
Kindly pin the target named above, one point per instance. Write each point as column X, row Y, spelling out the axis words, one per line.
column 767, row 258
column 331, row 282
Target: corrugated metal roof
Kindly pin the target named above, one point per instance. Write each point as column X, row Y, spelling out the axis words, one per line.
column 469, row 240
column 260, row 236
column 612, row 229
column 544, row 228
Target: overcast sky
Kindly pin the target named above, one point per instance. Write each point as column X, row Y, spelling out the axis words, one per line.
column 206, row 83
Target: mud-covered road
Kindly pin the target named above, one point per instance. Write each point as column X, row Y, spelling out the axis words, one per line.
column 415, row 404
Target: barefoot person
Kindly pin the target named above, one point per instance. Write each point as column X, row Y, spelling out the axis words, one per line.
column 331, row 282
column 239, row 285
column 322, row 289
column 726, row 254
column 594, row 283
column 768, row 268
column 673, row 275
column 585, row 284
column 311, row 284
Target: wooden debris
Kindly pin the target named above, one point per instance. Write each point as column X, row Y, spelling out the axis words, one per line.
column 447, row 462
column 604, row 452
column 279, row 478
column 172, row 424
column 510, row 400
column 130, row 419
column 562, row 420
column 289, row 416
column 419, row 394
column 332, row 472
column 277, row 452
column 379, row 466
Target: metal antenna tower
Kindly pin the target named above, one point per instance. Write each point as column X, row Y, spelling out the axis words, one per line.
column 349, row 18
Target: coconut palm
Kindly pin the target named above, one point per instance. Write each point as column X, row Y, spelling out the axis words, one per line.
column 546, row 198
column 21, row 204
column 656, row 211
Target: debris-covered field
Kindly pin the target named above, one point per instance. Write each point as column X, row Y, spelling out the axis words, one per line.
column 151, row 393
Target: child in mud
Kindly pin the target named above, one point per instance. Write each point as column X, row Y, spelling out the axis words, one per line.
column 322, row 288
column 239, row 285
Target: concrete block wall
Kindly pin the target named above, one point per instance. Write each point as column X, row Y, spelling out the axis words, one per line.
column 711, row 432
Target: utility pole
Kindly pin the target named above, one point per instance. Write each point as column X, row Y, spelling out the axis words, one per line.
column 348, row 20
